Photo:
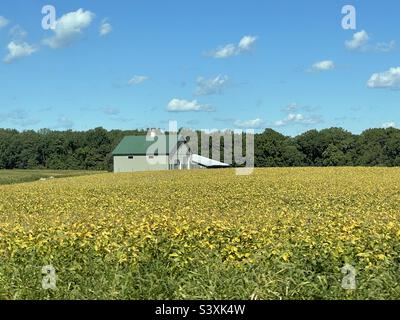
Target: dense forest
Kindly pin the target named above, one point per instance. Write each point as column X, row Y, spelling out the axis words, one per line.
column 91, row 150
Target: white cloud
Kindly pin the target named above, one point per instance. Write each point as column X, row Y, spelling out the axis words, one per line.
column 385, row 80
column 3, row 22
column 229, row 50
column 69, row 28
column 246, row 43
column 137, row 80
column 18, row 50
column 325, row 65
column 226, row 51
column 293, row 118
column 295, row 115
column 290, row 118
column 181, row 105
column 389, row 124
column 105, row 28
column 249, row 124
column 358, row 42
column 211, row 86
column 361, row 42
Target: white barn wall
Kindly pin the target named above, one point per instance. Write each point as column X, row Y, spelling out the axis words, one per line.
column 140, row 163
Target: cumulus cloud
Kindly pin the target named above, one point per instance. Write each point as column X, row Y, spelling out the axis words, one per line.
column 390, row 124
column 229, row 50
column 211, row 86
column 18, row 50
column 226, row 51
column 324, row 65
column 135, row 80
column 358, row 42
column 105, row 28
column 246, row 43
column 290, row 118
column 385, row 80
column 296, row 118
column 69, row 28
column 249, row 124
column 181, row 105
column 361, row 42
column 297, row 114
column 3, row 22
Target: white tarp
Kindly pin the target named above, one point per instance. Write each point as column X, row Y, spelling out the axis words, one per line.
column 207, row 162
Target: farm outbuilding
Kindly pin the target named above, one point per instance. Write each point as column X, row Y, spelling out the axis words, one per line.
column 139, row 153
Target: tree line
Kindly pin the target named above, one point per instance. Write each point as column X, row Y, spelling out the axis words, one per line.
column 91, row 150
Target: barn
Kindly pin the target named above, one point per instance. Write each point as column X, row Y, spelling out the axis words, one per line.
column 139, row 153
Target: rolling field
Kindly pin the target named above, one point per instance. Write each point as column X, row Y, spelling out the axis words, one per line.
column 276, row 234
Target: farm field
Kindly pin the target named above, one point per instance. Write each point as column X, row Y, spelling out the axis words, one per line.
column 20, row 176
column 204, row 234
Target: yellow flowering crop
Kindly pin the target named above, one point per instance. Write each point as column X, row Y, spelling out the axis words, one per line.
column 277, row 233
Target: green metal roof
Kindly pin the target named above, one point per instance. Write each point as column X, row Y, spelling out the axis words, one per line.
column 138, row 145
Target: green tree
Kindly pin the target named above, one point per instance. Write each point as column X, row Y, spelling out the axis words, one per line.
column 333, row 156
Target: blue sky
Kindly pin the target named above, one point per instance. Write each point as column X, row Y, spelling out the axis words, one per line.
column 288, row 65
